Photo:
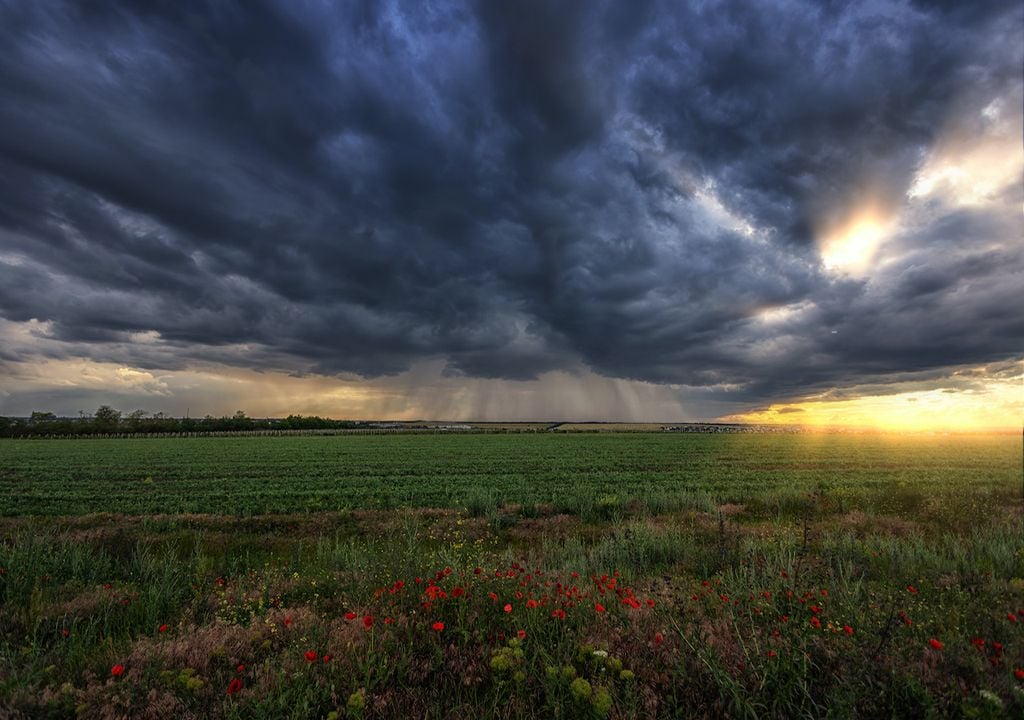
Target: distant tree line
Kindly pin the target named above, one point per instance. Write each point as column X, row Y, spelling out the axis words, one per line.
column 108, row 421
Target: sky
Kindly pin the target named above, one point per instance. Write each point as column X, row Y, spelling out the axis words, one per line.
column 782, row 211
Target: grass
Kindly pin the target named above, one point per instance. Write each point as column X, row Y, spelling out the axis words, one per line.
column 737, row 576
column 251, row 476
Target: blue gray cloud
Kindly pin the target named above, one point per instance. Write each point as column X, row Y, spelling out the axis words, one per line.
column 636, row 190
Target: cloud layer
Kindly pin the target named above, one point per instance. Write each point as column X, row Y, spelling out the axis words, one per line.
column 639, row 191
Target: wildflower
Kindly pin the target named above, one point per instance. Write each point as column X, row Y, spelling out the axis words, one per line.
column 234, row 686
column 1011, row 617
column 162, row 628
column 599, row 607
column 388, row 621
column 521, row 634
column 117, row 670
column 350, row 616
column 580, row 689
column 327, row 658
column 65, row 632
column 936, row 645
column 311, row 656
column 493, row 596
column 911, row 589
column 847, row 629
column 771, row 653
column 356, row 703
column 438, row 626
column 508, row 607
column 658, row 638
column 288, row 621
column 558, row 614
column 815, row 623
column 1019, row 673
column 240, row 669
column 368, row 621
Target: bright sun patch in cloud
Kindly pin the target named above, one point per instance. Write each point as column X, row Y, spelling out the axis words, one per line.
column 852, row 247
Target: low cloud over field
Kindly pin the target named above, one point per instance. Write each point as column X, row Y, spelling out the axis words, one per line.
column 698, row 210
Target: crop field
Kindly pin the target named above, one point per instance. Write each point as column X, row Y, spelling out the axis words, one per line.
column 555, row 575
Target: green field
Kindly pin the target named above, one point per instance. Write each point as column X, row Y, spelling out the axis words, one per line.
column 524, row 575
column 234, row 476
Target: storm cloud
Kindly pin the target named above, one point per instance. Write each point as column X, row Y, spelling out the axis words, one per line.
column 635, row 190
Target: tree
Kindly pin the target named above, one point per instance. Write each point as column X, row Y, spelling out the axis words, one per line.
column 135, row 419
column 106, row 419
column 38, row 418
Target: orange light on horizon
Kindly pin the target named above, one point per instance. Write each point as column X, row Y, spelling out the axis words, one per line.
column 998, row 407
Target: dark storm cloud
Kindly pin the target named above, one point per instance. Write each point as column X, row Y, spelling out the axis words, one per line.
column 515, row 188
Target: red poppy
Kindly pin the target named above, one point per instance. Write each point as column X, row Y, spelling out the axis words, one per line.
column 771, row 653
column 1011, row 617
column 936, row 645
column 911, row 589
column 493, row 596
column 234, row 686
column 658, row 638
column 65, row 632
column 350, row 616
column 162, row 628
column 327, row 658
column 847, row 629
column 558, row 614
column 508, row 607
column 815, row 623
column 438, row 626
column 117, row 670
column 368, row 621
column 521, row 634
column 599, row 607
column 311, row 656
column 1019, row 673
column 288, row 621
column 240, row 668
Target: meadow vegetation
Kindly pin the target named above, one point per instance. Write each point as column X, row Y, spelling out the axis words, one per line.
column 564, row 576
